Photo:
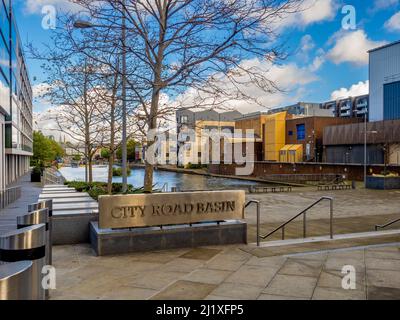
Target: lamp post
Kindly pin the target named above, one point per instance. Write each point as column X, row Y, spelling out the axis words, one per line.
column 365, row 147
column 81, row 24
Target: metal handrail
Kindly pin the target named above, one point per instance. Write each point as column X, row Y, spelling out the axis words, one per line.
column 165, row 188
column 257, row 203
column 304, row 213
column 383, row 226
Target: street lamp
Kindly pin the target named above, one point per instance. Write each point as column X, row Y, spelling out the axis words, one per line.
column 81, row 24
column 365, row 147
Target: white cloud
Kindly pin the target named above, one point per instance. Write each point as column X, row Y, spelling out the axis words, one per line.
column 310, row 12
column 35, row 6
column 290, row 79
column 358, row 89
column 352, row 47
column 393, row 24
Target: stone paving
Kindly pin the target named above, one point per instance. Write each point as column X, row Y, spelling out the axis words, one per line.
column 226, row 273
column 229, row 272
column 29, row 194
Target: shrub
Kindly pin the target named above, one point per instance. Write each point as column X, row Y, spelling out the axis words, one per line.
column 96, row 189
column 117, row 172
column 194, row 166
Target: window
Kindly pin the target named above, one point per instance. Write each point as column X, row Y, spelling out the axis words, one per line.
column 301, row 131
column 184, row 119
column 391, row 110
column 290, row 133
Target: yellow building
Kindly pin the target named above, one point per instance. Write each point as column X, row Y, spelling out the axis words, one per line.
column 270, row 127
column 291, row 153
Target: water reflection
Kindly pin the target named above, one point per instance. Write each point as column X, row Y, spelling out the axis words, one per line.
column 173, row 179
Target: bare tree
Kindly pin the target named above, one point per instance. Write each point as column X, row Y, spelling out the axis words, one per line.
column 196, row 44
column 70, row 87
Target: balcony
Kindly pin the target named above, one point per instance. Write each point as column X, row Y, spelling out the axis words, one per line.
column 345, row 114
column 346, row 106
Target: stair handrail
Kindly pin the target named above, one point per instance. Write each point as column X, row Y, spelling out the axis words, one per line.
column 303, row 212
column 383, row 226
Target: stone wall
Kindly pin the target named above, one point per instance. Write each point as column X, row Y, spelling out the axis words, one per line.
column 262, row 169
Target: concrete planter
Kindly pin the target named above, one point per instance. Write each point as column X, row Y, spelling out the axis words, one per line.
column 383, row 183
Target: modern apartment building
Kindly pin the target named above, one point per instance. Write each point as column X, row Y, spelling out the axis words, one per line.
column 191, row 126
column 270, row 128
column 350, row 107
column 15, row 101
column 308, row 109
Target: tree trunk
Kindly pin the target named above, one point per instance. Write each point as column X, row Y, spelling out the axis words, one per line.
column 149, row 169
column 152, row 121
column 90, row 168
column 110, row 172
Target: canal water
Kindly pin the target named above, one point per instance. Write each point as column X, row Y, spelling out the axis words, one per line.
column 172, row 179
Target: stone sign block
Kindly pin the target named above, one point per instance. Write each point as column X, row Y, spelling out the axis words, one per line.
column 147, row 210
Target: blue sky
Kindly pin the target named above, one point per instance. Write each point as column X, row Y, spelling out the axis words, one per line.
column 325, row 57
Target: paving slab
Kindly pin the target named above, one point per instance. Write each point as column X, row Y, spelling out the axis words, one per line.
column 201, row 254
column 208, row 276
column 383, row 278
column 333, row 279
column 252, row 275
column 234, row 291
column 338, row 294
column 383, row 293
column 291, row 286
column 185, row 290
column 299, row 267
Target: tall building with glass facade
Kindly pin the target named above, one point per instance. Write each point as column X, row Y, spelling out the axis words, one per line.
column 15, row 101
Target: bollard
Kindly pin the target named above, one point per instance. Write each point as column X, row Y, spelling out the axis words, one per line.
column 34, row 218
column 38, row 217
column 43, row 205
column 27, row 244
column 16, row 281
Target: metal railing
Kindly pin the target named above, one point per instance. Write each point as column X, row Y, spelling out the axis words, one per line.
column 383, row 226
column 165, row 188
column 52, row 176
column 9, row 196
column 257, row 203
column 302, row 213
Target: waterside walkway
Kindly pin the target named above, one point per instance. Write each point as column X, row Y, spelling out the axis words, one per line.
column 29, row 194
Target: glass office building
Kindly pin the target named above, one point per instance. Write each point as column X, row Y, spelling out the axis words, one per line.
column 15, row 102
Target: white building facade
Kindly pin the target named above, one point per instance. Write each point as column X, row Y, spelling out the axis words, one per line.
column 16, row 132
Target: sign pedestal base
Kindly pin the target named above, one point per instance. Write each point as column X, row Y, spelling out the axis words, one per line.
column 120, row 241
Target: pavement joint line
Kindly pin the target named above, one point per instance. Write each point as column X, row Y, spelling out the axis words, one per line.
column 381, row 245
column 274, row 276
column 319, row 276
column 348, row 236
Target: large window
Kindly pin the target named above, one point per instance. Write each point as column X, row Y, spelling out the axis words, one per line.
column 4, row 94
column 301, row 131
column 391, row 104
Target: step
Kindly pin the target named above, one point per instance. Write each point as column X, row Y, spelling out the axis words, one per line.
column 75, row 206
column 44, row 192
column 315, row 244
column 63, row 195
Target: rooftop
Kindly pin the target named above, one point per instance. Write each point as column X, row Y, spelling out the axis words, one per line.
column 384, row 46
